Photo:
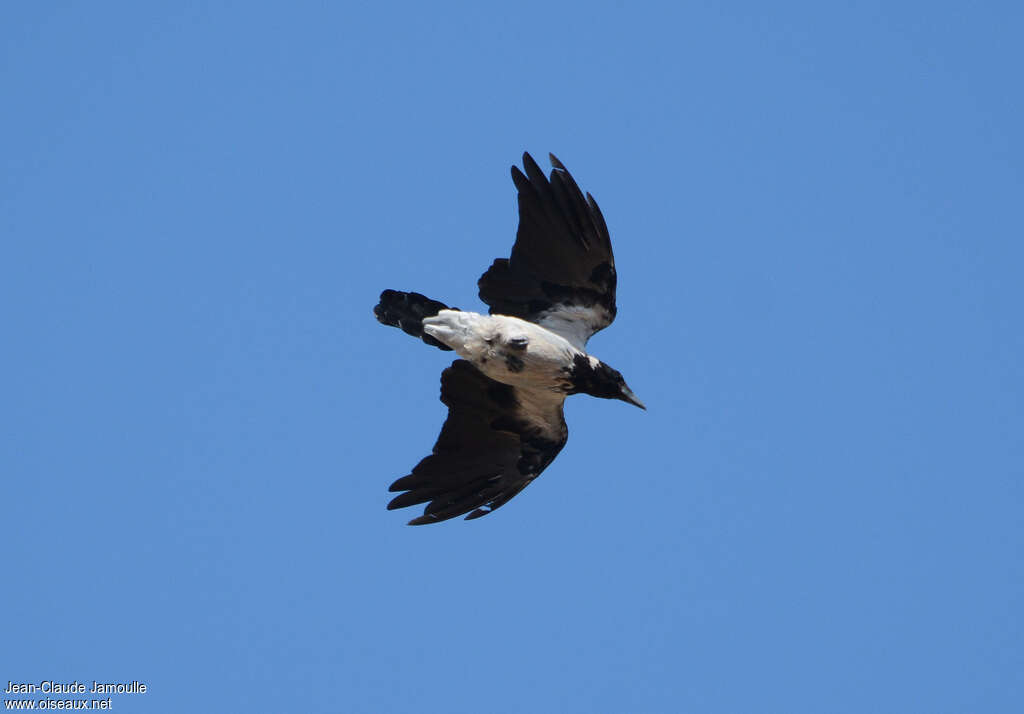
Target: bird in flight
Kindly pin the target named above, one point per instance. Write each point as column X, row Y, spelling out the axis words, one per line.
column 505, row 422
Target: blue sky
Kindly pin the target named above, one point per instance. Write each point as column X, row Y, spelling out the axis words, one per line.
column 816, row 212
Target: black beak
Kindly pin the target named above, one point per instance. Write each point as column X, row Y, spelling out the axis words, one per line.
column 628, row 396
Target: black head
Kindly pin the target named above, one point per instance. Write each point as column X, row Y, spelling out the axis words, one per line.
column 591, row 376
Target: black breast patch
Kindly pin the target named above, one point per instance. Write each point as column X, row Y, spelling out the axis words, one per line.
column 514, row 363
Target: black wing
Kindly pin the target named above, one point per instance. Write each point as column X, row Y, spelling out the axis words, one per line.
column 561, row 273
column 490, row 447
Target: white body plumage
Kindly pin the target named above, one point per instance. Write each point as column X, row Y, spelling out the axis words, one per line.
column 507, row 349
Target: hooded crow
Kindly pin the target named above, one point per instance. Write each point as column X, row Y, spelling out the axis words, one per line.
column 504, row 397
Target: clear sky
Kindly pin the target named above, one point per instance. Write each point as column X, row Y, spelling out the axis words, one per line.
column 816, row 213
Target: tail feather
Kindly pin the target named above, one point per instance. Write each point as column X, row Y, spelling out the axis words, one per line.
column 406, row 311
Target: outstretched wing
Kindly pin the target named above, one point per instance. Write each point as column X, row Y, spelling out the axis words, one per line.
column 496, row 440
column 561, row 273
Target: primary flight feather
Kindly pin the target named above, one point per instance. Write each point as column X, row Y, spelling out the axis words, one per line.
column 504, row 397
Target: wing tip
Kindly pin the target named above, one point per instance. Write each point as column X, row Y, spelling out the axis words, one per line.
column 428, row 518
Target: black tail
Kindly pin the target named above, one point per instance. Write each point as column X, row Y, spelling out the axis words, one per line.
column 407, row 310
